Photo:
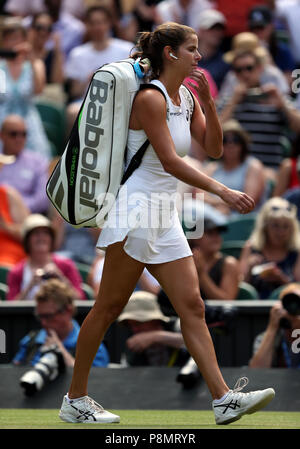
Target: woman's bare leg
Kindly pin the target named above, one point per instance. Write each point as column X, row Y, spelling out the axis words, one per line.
column 179, row 279
column 119, row 278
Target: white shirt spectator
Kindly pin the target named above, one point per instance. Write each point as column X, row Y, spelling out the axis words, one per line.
column 172, row 10
column 85, row 59
column 289, row 11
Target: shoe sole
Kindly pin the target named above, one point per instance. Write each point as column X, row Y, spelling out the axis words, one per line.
column 258, row 406
column 73, row 421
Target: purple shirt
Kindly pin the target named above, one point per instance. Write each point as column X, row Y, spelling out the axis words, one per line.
column 29, row 175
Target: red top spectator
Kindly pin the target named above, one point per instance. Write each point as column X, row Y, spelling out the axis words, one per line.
column 25, row 278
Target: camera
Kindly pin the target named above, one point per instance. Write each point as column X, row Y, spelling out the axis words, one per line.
column 47, row 369
column 256, row 94
column 189, row 374
column 291, row 303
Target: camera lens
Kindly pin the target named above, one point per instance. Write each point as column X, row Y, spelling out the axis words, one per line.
column 291, row 303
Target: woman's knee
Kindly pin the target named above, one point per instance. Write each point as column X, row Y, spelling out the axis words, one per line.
column 109, row 311
column 194, row 306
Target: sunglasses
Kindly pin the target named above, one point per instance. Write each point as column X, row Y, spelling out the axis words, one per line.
column 231, row 139
column 287, row 208
column 46, row 28
column 246, row 68
column 48, row 316
column 15, row 134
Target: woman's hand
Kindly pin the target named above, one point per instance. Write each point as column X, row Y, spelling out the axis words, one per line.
column 201, row 86
column 239, row 201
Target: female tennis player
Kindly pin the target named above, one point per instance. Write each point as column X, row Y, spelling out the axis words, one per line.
column 163, row 115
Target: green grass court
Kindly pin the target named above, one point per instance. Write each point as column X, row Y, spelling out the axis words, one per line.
column 148, row 419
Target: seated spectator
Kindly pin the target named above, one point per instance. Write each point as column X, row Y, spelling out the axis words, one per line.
column 273, row 348
column 152, row 342
column 261, row 110
column 270, row 258
column 270, row 73
column 237, row 169
column 28, row 174
column 25, row 78
column 70, row 29
column 181, row 11
column 288, row 176
column 218, row 274
column 261, row 22
column 85, row 59
column 211, row 30
column 146, row 282
column 25, row 278
column 41, row 30
column 12, row 215
column 55, row 308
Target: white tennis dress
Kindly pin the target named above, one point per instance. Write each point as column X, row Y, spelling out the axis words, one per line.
column 145, row 210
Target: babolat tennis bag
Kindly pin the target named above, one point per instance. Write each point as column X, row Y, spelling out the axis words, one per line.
column 84, row 184
column 92, row 164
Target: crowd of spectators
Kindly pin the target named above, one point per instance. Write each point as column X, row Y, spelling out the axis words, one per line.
column 49, row 50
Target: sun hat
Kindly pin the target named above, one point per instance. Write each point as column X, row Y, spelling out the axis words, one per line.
column 245, row 41
column 142, row 306
column 34, row 221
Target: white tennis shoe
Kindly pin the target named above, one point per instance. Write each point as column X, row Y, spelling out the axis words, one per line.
column 85, row 410
column 237, row 404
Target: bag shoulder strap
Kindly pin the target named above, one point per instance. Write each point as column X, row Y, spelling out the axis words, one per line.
column 136, row 159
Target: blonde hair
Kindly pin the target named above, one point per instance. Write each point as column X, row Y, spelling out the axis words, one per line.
column 58, row 292
column 276, row 207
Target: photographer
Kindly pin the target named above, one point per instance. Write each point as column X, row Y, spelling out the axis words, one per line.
column 55, row 309
column 259, row 107
column 273, row 348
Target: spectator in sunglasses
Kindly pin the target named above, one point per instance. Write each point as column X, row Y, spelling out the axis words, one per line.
column 261, row 109
column 28, row 173
column 270, row 258
column 237, row 168
column 41, row 31
column 55, row 309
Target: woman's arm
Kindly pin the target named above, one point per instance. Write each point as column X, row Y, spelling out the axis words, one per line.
column 255, row 180
column 283, row 177
column 206, row 128
column 150, row 103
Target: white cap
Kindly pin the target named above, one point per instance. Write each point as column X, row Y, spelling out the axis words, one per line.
column 210, row 17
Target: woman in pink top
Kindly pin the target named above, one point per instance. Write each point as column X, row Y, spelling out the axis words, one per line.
column 25, row 278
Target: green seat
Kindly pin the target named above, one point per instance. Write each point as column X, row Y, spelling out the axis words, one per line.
column 3, row 291
column 3, row 274
column 240, row 228
column 53, row 118
column 89, row 293
column 276, row 292
column 84, row 270
column 233, row 248
column 246, row 291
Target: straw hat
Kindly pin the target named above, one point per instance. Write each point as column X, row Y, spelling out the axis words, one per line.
column 234, row 126
column 245, row 41
column 142, row 306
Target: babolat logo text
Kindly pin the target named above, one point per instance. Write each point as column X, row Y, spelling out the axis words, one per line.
column 92, row 135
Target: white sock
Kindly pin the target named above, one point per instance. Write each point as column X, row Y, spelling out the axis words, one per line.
column 217, row 401
column 70, row 401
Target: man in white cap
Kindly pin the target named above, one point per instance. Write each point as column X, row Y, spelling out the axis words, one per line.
column 152, row 341
column 210, row 28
